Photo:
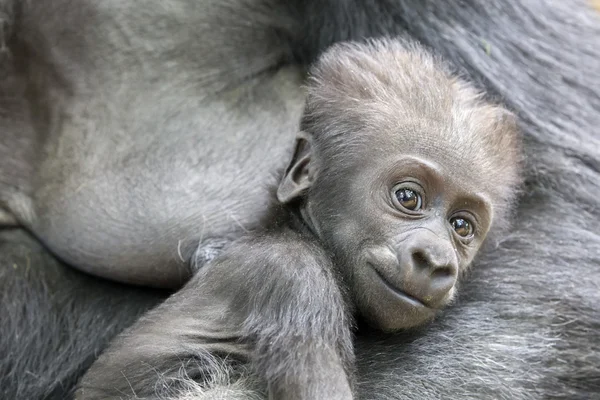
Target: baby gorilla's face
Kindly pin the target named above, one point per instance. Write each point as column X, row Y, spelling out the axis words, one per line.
column 403, row 229
column 400, row 168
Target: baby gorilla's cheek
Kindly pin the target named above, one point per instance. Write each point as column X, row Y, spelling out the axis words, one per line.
column 347, row 235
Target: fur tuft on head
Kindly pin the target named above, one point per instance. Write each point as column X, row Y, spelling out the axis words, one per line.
column 395, row 91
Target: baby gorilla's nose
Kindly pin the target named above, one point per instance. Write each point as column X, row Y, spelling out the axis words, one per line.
column 431, row 273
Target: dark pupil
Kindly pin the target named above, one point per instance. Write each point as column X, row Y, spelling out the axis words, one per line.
column 461, row 226
column 408, row 198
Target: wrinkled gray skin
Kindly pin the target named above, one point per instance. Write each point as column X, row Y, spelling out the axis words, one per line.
column 105, row 113
column 365, row 218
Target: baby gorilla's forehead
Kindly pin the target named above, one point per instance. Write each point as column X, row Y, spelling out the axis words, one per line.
column 380, row 102
column 452, row 165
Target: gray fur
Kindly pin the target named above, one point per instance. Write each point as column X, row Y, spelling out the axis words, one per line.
column 261, row 300
column 281, row 297
column 526, row 326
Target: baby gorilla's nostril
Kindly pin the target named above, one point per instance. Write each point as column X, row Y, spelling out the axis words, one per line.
column 442, row 272
column 420, row 260
column 440, row 283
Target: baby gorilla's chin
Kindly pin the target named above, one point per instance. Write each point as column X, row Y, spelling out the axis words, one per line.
column 389, row 308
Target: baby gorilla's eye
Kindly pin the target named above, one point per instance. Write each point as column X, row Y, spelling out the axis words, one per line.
column 462, row 226
column 408, row 198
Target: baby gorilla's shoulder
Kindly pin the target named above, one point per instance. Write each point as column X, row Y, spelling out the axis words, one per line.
column 285, row 247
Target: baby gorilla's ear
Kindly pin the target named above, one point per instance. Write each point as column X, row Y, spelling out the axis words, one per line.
column 299, row 174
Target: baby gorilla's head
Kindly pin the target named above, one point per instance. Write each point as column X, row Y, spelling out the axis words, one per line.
column 401, row 169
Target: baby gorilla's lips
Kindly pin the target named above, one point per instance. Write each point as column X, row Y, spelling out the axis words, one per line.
column 413, row 301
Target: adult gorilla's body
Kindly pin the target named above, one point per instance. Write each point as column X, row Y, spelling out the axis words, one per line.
column 169, row 78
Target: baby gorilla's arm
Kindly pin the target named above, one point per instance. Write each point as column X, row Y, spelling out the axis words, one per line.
column 271, row 300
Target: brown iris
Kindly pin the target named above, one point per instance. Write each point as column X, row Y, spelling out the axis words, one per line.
column 462, row 226
column 409, row 199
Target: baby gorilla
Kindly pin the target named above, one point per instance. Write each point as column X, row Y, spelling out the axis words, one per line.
column 399, row 172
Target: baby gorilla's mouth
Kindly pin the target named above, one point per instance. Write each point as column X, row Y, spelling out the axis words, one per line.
column 399, row 292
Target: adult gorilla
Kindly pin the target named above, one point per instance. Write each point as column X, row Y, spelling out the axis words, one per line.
column 132, row 131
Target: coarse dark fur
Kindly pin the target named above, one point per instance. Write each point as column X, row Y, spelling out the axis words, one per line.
column 526, row 325
column 380, row 118
column 41, row 341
